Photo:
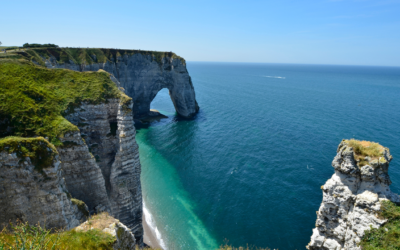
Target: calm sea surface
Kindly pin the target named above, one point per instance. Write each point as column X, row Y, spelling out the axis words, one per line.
column 249, row 167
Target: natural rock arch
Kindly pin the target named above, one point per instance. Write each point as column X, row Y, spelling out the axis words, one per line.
column 142, row 76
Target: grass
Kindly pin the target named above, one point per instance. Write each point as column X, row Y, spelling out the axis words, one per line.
column 365, row 148
column 24, row 236
column 39, row 150
column 386, row 237
column 36, row 99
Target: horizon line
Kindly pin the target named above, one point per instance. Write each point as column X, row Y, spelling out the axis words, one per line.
column 322, row 64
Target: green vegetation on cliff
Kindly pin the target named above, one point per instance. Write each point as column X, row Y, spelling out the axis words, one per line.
column 81, row 206
column 84, row 55
column 364, row 149
column 89, row 236
column 26, row 236
column 94, row 55
column 35, row 99
column 40, row 151
column 37, row 45
column 386, row 237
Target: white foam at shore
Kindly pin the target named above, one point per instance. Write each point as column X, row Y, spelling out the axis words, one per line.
column 151, row 223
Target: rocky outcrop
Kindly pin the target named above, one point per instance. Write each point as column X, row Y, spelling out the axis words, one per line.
column 37, row 196
column 351, row 198
column 143, row 76
column 124, row 238
column 108, row 178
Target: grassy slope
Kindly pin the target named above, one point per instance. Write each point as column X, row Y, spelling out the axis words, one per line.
column 386, row 237
column 34, row 98
column 25, row 236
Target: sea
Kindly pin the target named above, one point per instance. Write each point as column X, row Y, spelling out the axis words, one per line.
column 247, row 169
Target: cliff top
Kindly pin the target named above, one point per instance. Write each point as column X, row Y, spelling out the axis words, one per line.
column 83, row 55
column 366, row 151
column 35, row 99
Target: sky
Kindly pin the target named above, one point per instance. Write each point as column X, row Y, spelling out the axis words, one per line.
column 346, row 32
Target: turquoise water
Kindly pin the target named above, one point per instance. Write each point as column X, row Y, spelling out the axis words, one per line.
column 249, row 167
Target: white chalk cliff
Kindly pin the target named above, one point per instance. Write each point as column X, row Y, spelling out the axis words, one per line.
column 351, row 200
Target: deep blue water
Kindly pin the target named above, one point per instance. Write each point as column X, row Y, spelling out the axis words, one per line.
column 249, row 167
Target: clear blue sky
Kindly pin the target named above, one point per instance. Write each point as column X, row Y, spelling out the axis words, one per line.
column 353, row 32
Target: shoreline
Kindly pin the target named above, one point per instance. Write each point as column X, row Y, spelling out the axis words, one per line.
column 149, row 231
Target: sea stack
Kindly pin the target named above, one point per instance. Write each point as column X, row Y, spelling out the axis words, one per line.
column 352, row 196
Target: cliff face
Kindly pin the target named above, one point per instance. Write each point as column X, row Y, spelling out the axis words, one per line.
column 32, row 195
column 141, row 74
column 110, row 179
column 351, row 197
column 92, row 156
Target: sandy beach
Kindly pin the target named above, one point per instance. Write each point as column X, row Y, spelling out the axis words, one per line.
column 150, row 237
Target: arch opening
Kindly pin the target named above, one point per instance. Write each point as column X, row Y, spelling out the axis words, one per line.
column 163, row 103
column 161, row 106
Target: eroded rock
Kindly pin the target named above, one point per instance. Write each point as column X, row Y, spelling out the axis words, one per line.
column 35, row 196
column 351, row 199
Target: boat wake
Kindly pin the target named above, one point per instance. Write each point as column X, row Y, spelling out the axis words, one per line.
column 278, row 77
